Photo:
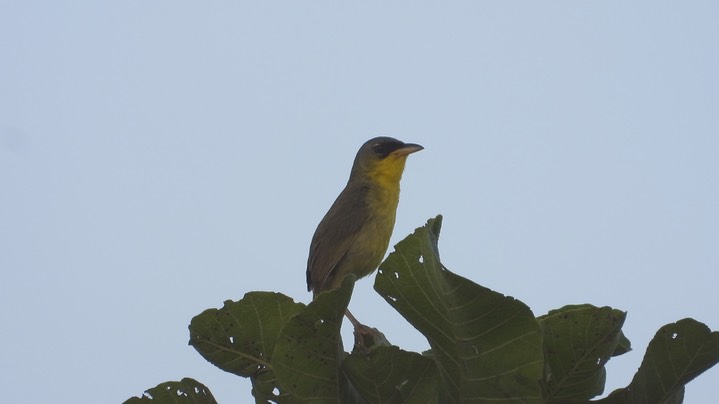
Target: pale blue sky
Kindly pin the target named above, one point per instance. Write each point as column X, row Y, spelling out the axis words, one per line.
column 158, row 158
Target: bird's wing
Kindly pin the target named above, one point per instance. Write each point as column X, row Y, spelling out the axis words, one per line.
column 335, row 234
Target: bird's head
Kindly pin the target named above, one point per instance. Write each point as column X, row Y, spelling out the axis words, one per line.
column 382, row 159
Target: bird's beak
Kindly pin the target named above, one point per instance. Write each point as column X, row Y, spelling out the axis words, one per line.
column 408, row 148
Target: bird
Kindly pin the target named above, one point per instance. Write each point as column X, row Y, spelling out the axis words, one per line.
column 354, row 234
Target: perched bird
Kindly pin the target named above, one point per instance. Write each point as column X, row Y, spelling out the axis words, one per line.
column 354, row 234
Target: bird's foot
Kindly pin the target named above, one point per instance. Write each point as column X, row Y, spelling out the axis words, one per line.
column 367, row 337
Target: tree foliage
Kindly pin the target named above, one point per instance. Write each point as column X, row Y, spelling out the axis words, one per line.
column 485, row 347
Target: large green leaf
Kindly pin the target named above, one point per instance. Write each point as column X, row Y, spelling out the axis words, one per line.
column 240, row 337
column 487, row 346
column 578, row 342
column 186, row 391
column 307, row 357
column 391, row 375
column 678, row 353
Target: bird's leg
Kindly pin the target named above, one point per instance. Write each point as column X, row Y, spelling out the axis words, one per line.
column 365, row 336
column 353, row 320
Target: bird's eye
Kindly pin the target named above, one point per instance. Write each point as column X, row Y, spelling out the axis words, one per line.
column 383, row 149
column 379, row 150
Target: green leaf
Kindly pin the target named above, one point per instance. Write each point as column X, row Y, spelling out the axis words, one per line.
column 307, row 357
column 186, row 391
column 240, row 337
column 677, row 354
column 391, row 375
column 623, row 346
column 487, row 346
column 266, row 389
column 578, row 342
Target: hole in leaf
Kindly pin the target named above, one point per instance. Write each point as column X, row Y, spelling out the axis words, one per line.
column 276, row 391
column 396, row 275
column 232, row 340
column 421, row 259
column 674, row 335
column 394, row 299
